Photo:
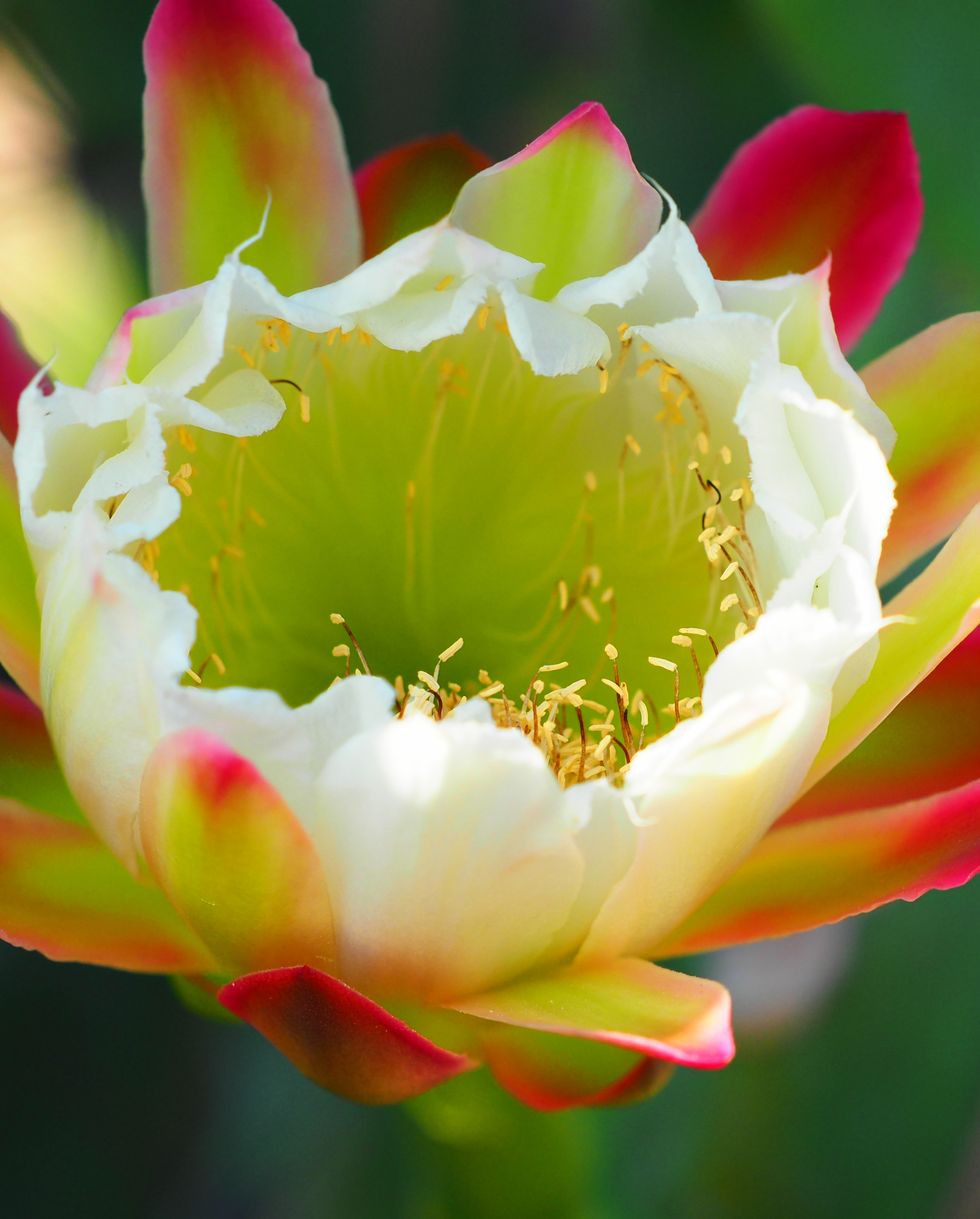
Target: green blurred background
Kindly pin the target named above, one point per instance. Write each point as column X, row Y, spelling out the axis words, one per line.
column 856, row 1089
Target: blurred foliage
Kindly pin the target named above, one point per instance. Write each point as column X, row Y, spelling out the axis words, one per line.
column 118, row 1103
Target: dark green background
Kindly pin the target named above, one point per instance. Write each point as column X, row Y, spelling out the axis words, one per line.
column 117, row 1104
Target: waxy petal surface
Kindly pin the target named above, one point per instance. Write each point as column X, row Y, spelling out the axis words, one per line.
column 338, row 1037
column 816, row 182
column 28, row 768
column 628, row 1003
column 20, row 623
column 822, row 871
column 930, row 389
column 572, row 200
column 64, row 894
column 944, row 604
column 232, row 857
column 412, row 186
column 234, row 117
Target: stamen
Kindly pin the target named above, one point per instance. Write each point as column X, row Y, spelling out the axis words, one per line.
column 659, row 663
column 340, row 620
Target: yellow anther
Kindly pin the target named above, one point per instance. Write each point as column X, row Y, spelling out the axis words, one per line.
column 694, row 630
column 341, row 649
column 562, row 596
column 366, row 339
column 682, row 641
column 590, row 482
column 589, row 609
column 555, row 668
column 444, row 283
column 304, row 407
column 451, row 651
column 726, row 454
column 332, row 336
column 702, row 441
column 428, row 680
column 603, row 378
column 257, row 518
column 490, row 691
column 246, row 356
column 730, row 570
column 337, row 619
column 728, row 602
column 611, row 651
column 186, row 440
column 483, row 316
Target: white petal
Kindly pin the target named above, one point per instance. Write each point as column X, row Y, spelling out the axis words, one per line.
column 450, row 862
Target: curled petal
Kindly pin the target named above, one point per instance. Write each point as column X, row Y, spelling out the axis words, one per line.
column 816, row 182
column 412, row 186
column 628, row 1003
column 232, row 857
column 234, row 117
column 338, row 1037
column 572, row 200
column 825, row 870
column 930, row 389
column 549, row 1073
column 64, row 894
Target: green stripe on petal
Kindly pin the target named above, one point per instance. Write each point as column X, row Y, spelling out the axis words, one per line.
column 572, row 200
column 930, row 389
column 20, row 623
column 944, row 606
column 822, row 871
column 232, row 857
column 63, row 894
column 234, row 116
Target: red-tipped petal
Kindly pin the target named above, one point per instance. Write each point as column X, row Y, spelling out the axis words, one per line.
column 234, row 115
column 928, row 743
column 338, row 1037
column 16, row 370
column 63, row 893
column 572, row 200
column 929, row 388
column 822, row 871
column 550, row 1073
column 412, row 186
column 630, row 1004
column 232, row 857
column 817, row 182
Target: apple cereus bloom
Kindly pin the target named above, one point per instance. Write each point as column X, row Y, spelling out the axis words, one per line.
column 446, row 604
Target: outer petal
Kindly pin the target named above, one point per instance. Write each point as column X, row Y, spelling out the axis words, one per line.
column 549, row 1072
column 412, row 186
column 817, row 182
column 28, row 769
column 20, row 627
column 928, row 742
column 16, row 370
column 930, row 389
column 234, row 115
column 339, row 1038
column 572, row 200
column 630, row 1004
column 62, row 893
column 825, row 870
column 232, row 857
column 944, row 604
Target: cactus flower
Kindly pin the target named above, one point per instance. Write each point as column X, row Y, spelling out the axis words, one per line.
column 442, row 609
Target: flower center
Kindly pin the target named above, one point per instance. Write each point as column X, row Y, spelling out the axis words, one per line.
column 566, row 528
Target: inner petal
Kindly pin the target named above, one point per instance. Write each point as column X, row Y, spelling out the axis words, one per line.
column 453, row 493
